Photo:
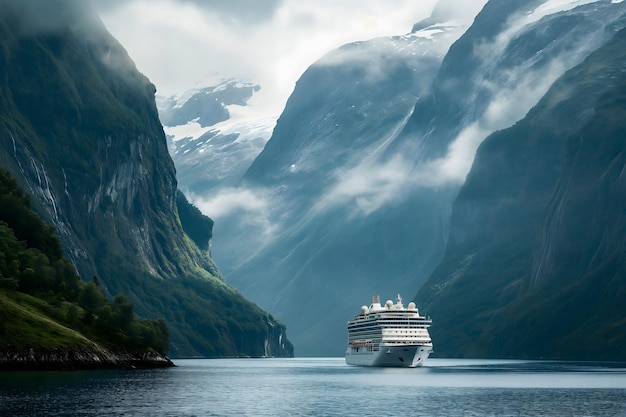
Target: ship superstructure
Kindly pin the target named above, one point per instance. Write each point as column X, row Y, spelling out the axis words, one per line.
column 388, row 335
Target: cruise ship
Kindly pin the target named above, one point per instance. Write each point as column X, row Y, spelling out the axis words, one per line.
column 389, row 335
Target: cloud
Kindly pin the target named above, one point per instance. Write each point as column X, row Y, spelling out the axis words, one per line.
column 375, row 60
column 233, row 200
column 247, row 11
column 368, row 186
column 236, row 11
column 454, row 9
column 49, row 15
column 181, row 43
column 507, row 106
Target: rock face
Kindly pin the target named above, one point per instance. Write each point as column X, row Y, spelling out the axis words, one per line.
column 60, row 360
column 80, row 132
column 535, row 263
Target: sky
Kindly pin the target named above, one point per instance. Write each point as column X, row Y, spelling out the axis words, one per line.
column 184, row 44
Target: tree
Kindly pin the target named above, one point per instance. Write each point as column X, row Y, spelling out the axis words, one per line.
column 91, row 299
column 123, row 312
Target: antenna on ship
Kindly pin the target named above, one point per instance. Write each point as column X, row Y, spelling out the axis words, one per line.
column 399, row 300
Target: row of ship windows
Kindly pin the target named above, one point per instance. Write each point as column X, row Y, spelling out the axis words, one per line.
column 357, row 327
column 361, row 335
column 420, row 331
column 399, row 321
column 365, row 337
column 387, row 337
column 387, row 332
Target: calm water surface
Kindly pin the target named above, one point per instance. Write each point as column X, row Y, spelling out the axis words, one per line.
column 323, row 387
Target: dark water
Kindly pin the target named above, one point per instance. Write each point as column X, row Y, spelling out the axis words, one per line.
column 323, row 387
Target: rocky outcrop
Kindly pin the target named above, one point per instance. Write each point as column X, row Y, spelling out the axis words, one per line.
column 38, row 359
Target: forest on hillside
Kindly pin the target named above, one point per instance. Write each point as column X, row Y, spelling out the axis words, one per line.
column 44, row 303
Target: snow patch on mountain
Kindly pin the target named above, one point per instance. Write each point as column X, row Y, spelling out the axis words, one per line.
column 243, row 120
column 214, row 133
column 438, row 28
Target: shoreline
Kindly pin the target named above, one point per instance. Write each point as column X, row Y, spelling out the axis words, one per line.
column 36, row 359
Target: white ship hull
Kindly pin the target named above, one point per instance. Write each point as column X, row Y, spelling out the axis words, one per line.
column 408, row 356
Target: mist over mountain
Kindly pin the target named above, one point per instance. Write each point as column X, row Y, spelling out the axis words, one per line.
column 79, row 131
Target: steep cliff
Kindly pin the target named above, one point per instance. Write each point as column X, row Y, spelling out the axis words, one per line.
column 535, row 263
column 80, row 131
column 49, row 317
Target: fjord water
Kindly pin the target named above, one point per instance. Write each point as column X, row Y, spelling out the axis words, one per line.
column 323, row 387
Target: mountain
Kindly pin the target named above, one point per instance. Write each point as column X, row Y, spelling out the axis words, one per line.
column 536, row 260
column 213, row 134
column 79, row 131
column 352, row 194
column 205, row 106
